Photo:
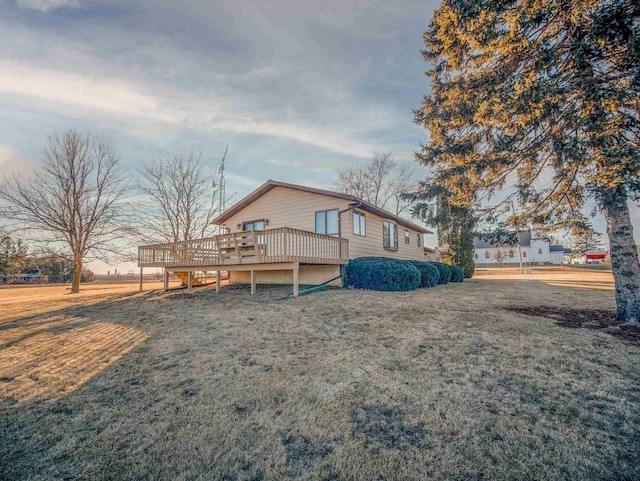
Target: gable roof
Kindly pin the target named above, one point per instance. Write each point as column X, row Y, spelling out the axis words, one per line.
column 272, row 184
column 524, row 239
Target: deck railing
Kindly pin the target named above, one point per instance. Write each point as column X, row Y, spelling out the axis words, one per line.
column 249, row 247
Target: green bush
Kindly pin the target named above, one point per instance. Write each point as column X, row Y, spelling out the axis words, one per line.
column 457, row 274
column 444, row 270
column 429, row 273
column 382, row 274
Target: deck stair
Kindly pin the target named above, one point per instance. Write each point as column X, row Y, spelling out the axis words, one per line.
column 184, row 277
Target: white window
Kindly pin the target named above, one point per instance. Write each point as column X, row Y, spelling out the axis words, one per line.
column 390, row 235
column 419, row 243
column 359, row 224
column 486, row 254
column 253, row 225
column 407, row 237
column 524, row 254
column 327, row 222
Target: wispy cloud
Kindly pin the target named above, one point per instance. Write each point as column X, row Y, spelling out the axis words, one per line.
column 87, row 94
column 45, row 6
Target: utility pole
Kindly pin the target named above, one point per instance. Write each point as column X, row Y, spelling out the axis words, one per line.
column 513, row 209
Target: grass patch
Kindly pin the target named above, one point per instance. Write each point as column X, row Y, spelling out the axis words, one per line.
column 337, row 385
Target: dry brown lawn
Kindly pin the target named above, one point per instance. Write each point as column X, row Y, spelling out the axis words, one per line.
column 443, row 383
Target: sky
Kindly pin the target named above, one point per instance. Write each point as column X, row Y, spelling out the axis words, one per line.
column 297, row 90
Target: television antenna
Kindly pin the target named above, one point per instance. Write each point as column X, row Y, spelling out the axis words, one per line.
column 222, row 183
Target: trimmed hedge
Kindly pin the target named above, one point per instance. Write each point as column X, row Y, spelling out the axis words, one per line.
column 382, row 274
column 444, row 270
column 429, row 273
column 457, row 274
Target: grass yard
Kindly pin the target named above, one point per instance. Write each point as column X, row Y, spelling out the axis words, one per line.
column 445, row 383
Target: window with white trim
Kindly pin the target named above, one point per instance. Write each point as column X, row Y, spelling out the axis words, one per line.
column 359, row 224
column 327, row 222
column 419, row 241
column 407, row 237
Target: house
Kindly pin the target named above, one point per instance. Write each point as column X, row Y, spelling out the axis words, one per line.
column 536, row 249
column 287, row 233
column 32, row 275
column 593, row 256
column 432, row 255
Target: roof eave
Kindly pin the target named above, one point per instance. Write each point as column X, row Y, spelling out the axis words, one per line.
column 271, row 184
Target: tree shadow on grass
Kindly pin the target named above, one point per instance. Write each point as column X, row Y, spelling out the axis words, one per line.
column 46, row 356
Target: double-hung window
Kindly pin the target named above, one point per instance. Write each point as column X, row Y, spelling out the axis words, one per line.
column 327, row 222
column 389, row 235
column 359, row 224
column 407, row 237
column 419, row 244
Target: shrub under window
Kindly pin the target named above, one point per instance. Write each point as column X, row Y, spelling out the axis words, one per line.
column 457, row 274
column 444, row 271
column 428, row 272
column 382, row 274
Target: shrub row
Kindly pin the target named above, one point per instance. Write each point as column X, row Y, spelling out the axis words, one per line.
column 387, row 274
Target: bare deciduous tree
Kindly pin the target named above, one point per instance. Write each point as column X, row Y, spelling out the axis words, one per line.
column 72, row 198
column 382, row 182
column 499, row 255
column 182, row 199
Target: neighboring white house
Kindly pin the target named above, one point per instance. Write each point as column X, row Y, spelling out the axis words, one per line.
column 536, row 250
column 432, row 255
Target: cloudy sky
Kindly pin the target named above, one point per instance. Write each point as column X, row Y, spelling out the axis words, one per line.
column 296, row 89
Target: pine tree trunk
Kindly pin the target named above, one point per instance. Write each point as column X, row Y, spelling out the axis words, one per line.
column 77, row 273
column 624, row 260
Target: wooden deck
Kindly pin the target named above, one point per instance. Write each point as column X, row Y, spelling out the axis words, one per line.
column 272, row 246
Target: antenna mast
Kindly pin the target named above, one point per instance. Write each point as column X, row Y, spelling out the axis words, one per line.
column 223, row 193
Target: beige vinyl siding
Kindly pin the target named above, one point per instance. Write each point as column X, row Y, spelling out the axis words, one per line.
column 284, row 207
column 310, row 275
column 371, row 244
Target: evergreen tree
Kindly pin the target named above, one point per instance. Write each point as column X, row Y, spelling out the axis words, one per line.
column 13, row 256
column 541, row 96
column 584, row 240
column 455, row 224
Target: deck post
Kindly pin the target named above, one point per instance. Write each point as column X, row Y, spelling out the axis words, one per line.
column 141, row 278
column 253, row 283
column 218, row 281
column 189, row 281
column 296, row 268
column 165, row 279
